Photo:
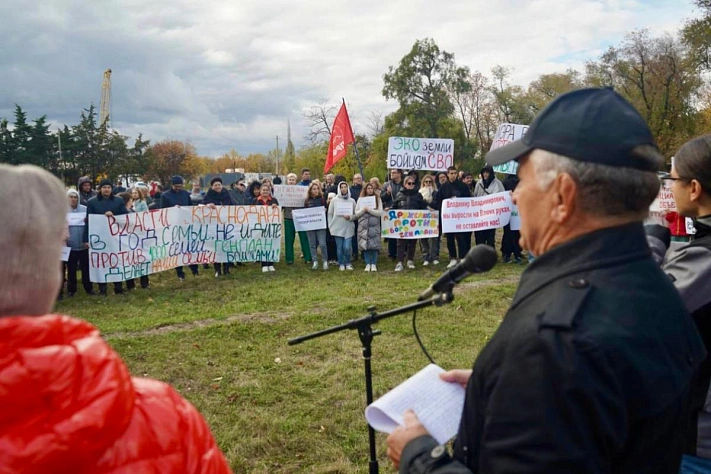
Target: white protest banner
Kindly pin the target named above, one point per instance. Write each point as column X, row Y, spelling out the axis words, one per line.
column 75, row 218
column 137, row 244
column 515, row 222
column 309, row 218
column 366, row 201
column 690, row 229
column 344, row 207
column 505, row 134
column 290, row 195
column 436, row 154
column 477, row 213
column 409, row 224
column 65, row 253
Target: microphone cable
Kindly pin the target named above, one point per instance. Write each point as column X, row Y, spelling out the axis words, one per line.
column 417, row 336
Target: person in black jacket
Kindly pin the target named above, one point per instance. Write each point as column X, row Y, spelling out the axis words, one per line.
column 592, row 369
column 409, row 197
column 455, row 188
column 509, row 241
column 217, row 195
column 109, row 205
column 177, row 196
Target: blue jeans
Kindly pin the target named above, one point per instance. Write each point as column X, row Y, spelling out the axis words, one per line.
column 317, row 238
column 694, row 465
column 370, row 256
column 343, row 250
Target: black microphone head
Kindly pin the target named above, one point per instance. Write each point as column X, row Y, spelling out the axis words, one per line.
column 481, row 258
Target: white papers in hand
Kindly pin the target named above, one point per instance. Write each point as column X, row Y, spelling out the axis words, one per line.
column 438, row 405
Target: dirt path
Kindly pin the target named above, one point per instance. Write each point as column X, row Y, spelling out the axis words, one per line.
column 268, row 317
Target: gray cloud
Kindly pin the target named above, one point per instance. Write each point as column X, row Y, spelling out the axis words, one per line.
column 228, row 75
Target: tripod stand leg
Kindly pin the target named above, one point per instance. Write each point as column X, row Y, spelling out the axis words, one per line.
column 366, row 336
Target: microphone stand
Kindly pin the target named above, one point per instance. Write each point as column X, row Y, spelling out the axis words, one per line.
column 366, row 335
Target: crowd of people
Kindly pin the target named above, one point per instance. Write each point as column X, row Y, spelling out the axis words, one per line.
column 600, row 365
column 346, row 238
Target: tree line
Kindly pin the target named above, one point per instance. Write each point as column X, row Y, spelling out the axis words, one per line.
column 665, row 77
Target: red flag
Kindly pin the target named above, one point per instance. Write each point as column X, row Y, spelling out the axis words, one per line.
column 341, row 137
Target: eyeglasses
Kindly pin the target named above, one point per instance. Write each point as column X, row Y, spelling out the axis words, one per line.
column 409, row 183
column 427, row 181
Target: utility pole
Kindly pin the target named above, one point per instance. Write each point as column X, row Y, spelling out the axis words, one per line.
column 277, row 155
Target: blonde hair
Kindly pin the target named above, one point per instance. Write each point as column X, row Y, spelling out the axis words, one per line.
column 33, row 232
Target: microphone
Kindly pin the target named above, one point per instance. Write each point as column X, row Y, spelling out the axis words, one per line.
column 480, row 259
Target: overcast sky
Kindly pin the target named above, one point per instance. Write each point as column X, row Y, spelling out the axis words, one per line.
column 228, row 74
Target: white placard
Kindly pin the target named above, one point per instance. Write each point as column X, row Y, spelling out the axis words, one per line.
column 290, row 195
column 344, row 207
column 664, row 201
column 515, row 222
column 505, row 134
column 366, row 201
column 477, row 213
column 309, row 218
column 690, row 229
column 409, row 224
column 436, row 154
column 75, row 218
column 65, row 253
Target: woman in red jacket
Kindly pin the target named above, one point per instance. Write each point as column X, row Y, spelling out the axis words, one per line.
column 69, row 403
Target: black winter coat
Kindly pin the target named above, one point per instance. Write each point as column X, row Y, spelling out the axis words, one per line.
column 171, row 198
column 590, row 371
column 222, row 198
column 101, row 205
column 409, row 199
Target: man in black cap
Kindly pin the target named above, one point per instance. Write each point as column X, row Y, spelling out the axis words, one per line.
column 592, row 367
column 177, row 196
column 109, row 205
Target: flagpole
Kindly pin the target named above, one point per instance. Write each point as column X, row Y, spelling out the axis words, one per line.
column 355, row 145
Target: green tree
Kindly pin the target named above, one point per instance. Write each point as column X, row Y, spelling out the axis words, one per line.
column 659, row 77
column 696, row 34
column 21, row 136
column 421, row 84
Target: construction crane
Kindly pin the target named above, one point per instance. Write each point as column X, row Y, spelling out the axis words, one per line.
column 105, row 108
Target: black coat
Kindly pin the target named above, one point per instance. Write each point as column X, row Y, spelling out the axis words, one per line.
column 101, row 205
column 589, row 372
column 409, row 199
column 451, row 190
column 171, row 198
column 222, row 198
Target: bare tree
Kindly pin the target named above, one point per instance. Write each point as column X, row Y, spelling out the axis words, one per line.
column 319, row 118
column 376, row 123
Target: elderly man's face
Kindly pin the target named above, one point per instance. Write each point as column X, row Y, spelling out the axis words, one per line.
column 357, row 180
column 534, row 206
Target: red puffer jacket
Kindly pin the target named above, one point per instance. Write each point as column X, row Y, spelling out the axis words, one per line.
column 69, row 404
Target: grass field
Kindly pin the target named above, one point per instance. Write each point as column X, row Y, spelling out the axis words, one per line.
column 274, row 408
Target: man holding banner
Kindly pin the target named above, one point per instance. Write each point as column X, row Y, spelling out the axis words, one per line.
column 105, row 203
column 592, row 369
